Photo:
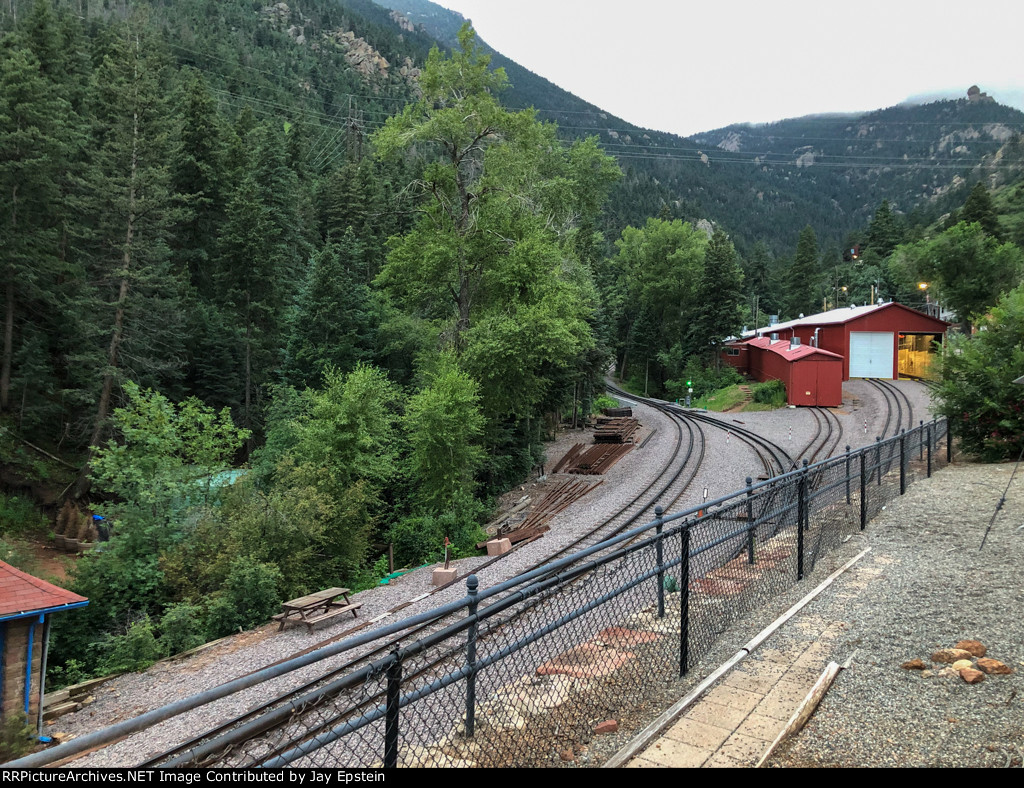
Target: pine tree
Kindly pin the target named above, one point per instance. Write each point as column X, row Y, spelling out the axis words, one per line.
column 720, row 295
column 884, row 233
column 802, row 279
column 33, row 153
column 198, row 180
column 980, row 208
column 331, row 324
column 259, row 252
column 133, row 308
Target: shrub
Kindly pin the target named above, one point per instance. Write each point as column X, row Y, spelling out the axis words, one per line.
column 249, row 598
column 18, row 554
column 771, row 392
column 420, row 539
column 977, row 394
column 15, row 737
column 135, row 650
column 705, row 380
column 58, row 676
column 20, row 516
column 181, row 628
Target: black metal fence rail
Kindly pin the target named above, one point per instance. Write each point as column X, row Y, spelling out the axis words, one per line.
column 520, row 673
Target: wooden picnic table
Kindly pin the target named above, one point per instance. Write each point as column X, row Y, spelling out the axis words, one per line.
column 315, row 608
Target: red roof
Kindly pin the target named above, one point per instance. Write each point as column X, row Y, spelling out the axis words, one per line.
column 790, row 352
column 22, row 593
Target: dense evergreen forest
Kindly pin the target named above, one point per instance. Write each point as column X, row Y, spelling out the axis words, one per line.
column 284, row 285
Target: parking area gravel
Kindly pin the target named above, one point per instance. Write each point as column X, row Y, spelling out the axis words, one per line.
column 936, row 586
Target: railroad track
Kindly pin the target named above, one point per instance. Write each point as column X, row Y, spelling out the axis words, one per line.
column 896, row 403
column 665, row 490
column 827, row 437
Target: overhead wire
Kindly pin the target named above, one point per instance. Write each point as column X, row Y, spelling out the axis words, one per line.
column 327, row 153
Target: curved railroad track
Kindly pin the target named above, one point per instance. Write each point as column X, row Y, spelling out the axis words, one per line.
column 664, row 490
column 827, row 437
column 896, row 403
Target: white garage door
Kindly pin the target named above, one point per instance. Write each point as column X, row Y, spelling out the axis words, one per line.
column 871, row 354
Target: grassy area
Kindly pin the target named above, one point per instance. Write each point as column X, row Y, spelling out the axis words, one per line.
column 720, row 400
column 731, row 396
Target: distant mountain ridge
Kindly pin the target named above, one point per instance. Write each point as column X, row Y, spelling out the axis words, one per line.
column 767, row 181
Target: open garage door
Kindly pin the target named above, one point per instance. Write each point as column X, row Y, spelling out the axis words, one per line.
column 871, row 354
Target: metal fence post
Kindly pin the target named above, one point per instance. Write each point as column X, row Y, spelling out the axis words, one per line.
column 750, row 520
column 920, row 437
column 863, row 489
column 949, row 441
column 903, row 461
column 393, row 697
column 684, row 602
column 472, row 584
column 928, row 431
column 801, row 516
column 878, row 458
column 847, row 475
column 659, row 547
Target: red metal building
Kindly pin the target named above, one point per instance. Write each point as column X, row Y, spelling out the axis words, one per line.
column 812, row 376
column 875, row 341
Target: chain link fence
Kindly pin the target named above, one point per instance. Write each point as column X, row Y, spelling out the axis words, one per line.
column 519, row 674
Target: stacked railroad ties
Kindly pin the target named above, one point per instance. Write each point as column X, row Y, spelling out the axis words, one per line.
column 613, row 439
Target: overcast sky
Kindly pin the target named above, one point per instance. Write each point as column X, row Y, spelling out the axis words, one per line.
column 686, row 67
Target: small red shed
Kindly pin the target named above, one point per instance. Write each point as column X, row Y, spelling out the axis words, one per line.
column 812, row 376
column 26, row 603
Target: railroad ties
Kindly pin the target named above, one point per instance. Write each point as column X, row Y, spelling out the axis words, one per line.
column 613, row 440
column 535, row 522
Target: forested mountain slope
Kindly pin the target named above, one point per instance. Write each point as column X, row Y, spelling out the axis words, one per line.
column 765, row 183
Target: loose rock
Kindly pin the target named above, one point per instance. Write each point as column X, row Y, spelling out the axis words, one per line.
column 976, row 648
column 950, row 655
column 962, row 664
column 972, row 676
column 913, row 664
column 608, row 726
column 994, row 667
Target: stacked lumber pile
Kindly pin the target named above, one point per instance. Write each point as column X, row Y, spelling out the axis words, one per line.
column 534, row 523
column 69, row 699
column 593, row 461
column 615, row 429
column 614, row 412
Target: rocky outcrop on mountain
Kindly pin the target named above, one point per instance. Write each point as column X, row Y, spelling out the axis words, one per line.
column 359, row 53
column 975, row 95
column 403, row 22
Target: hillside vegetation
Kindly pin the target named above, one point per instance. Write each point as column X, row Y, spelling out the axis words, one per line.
column 287, row 284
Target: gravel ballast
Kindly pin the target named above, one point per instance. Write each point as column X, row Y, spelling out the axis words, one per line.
column 727, row 463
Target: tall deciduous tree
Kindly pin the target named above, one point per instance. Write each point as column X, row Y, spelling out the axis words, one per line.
column 967, row 267
column 445, row 425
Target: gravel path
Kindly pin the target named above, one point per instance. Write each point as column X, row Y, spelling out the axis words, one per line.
column 935, row 588
column 727, row 463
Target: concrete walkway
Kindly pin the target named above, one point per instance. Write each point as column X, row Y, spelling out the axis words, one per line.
column 733, row 723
